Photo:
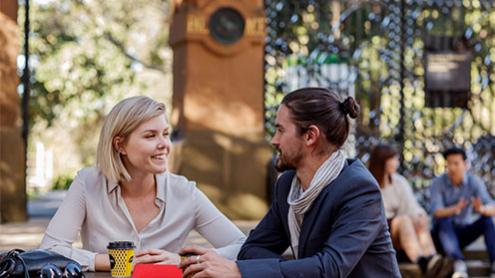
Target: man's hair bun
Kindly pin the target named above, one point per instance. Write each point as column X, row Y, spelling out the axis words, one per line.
column 350, row 107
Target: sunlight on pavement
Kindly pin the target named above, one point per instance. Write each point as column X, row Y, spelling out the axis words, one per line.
column 28, row 235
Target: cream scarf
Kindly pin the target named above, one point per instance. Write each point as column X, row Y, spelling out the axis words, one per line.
column 300, row 201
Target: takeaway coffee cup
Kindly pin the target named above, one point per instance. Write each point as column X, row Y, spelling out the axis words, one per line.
column 121, row 255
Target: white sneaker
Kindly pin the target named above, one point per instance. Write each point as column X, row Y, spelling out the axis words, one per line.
column 460, row 269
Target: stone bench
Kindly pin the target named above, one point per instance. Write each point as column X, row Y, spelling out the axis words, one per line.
column 476, row 260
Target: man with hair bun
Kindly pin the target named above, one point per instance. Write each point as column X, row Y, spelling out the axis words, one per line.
column 327, row 209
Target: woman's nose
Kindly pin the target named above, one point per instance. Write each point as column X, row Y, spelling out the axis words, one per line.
column 164, row 142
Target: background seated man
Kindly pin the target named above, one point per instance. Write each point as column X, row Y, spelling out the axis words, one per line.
column 462, row 210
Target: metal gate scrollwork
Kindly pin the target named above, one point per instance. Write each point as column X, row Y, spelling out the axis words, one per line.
column 377, row 51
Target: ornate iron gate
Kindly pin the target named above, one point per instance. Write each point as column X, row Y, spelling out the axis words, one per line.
column 375, row 50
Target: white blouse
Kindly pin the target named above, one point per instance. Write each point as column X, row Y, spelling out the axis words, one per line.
column 96, row 208
column 398, row 198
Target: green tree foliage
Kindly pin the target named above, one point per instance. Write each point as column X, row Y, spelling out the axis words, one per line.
column 87, row 53
column 85, row 56
column 62, row 182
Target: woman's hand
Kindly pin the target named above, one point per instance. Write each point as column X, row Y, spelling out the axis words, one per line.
column 102, row 262
column 156, row 256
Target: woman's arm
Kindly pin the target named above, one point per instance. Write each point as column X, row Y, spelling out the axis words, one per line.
column 215, row 227
column 65, row 225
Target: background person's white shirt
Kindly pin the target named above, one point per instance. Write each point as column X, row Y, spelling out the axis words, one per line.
column 96, row 208
column 398, row 198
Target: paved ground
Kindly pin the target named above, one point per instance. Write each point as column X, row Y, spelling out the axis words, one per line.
column 46, row 205
column 28, row 235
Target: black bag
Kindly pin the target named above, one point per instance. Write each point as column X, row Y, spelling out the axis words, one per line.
column 20, row 263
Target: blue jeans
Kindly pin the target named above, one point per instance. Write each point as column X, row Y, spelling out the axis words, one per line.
column 453, row 238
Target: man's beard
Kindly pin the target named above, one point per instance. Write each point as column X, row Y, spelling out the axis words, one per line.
column 282, row 165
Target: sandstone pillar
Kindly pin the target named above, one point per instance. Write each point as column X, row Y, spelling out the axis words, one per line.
column 12, row 166
column 218, row 111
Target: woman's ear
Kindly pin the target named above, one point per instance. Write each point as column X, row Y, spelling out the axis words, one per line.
column 118, row 144
column 312, row 135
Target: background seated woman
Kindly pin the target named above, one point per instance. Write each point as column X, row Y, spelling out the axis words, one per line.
column 407, row 220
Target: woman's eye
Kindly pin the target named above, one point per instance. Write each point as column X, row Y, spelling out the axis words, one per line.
column 149, row 136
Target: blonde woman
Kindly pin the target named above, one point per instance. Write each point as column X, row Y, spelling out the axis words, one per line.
column 131, row 196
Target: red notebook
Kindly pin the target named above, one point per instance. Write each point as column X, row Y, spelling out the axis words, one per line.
column 156, row 271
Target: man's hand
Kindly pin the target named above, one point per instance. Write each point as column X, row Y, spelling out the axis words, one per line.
column 479, row 207
column 158, row 256
column 208, row 264
column 460, row 206
column 451, row 210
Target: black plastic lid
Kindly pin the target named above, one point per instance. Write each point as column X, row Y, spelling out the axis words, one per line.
column 120, row 245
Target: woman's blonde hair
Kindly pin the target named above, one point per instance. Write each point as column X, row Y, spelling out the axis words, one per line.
column 122, row 120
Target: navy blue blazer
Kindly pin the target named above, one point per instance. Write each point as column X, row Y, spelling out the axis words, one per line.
column 344, row 233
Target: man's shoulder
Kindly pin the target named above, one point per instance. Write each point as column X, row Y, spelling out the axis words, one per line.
column 473, row 179
column 354, row 181
column 356, row 174
column 440, row 180
column 476, row 184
